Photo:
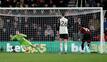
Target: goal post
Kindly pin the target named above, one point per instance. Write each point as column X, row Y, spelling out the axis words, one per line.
column 102, row 41
column 40, row 23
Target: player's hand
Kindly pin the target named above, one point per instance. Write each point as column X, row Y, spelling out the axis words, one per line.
column 10, row 37
column 57, row 35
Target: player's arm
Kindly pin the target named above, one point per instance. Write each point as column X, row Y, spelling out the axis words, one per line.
column 69, row 24
column 57, row 27
column 81, row 29
column 12, row 37
column 23, row 35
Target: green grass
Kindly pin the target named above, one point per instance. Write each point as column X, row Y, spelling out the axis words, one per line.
column 52, row 57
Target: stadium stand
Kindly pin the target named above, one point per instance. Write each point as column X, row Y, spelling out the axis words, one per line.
column 33, row 3
column 42, row 3
column 53, row 3
column 43, row 28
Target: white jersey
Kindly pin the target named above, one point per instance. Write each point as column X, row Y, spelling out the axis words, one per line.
column 63, row 26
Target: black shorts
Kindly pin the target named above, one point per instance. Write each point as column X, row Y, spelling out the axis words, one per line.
column 86, row 37
column 64, row 36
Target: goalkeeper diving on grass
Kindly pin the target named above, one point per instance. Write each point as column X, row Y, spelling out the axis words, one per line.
column 26, row 44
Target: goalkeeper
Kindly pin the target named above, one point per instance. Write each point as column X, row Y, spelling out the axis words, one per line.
column 26, row 45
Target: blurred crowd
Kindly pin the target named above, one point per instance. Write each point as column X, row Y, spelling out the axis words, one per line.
column 53, row 3
column 44, row 28
column 34, row 3
column 36, row 30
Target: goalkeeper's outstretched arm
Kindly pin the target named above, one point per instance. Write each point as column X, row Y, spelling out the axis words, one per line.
column 23, row 35
column 12, row 37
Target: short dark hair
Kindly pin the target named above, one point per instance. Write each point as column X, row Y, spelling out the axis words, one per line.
column 84, row 25
column 63, row 14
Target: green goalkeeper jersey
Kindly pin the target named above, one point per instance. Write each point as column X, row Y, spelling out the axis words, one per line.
column 21, row 39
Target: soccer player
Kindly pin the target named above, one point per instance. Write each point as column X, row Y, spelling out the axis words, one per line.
column 86, row 36
column 62, row 32
column 27, row 45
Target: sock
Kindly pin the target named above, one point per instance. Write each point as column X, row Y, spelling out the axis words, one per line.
column 82, row 45
column 65, row 46
column 61, row 47
column 88, row 44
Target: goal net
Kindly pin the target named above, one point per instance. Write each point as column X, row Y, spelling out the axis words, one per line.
column 39, row 24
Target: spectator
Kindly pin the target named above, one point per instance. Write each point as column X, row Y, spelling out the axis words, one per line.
column 61, row 3
column 95, row 22
column 46, row 5
column 77, row 24
column 94, row 25
column 105, row 35
column 40, row 3
column 33, row 3
column 105, row 24
column 92, row 3
column 1, row 23
column 18, row 4
column 81, row 3
column 14, row 3
column 49, row 31
column 104, row 3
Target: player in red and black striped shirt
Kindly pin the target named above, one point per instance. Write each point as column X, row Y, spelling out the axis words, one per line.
column 86, row 36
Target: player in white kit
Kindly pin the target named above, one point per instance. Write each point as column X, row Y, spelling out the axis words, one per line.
column 62, row 31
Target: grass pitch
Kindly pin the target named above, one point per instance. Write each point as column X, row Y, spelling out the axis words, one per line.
column 52, row 57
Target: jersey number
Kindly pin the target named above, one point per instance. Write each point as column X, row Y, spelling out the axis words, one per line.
column 63, row 23
column 86, row 29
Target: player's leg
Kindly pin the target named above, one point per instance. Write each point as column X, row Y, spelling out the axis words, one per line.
column 65, row 45
column 61, row 45
column 82, row 45
column 88, row 40
column 65, row 42
column 28, row 46
column 27, row 49
column 88, row 43
column 33, row 48
column 83, row 41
